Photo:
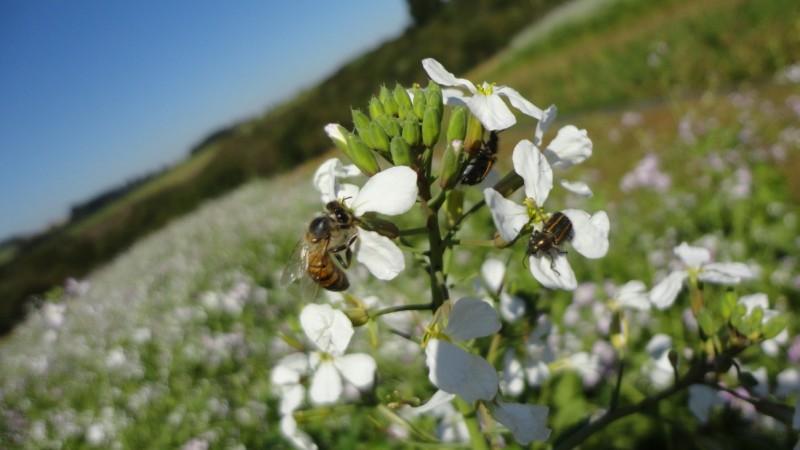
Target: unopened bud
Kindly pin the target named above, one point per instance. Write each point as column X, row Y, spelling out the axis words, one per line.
column 388, row 101
column 361, row 123
column 362, row 156
column 390, row 125
column 473, row 140
column 404, row 106
column 451, row 165
column 431, row 127
column 454, row 206
column 401, row 152
column 457, row 128
column 376, row 108
column 412, row 132
column 619, row 331
column 357, row 316
column 338, row 135
column 419, row 103
column 433, row 97
column 380, row 140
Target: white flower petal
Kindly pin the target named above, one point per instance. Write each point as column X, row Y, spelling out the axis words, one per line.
column 438, row 399
column 291, row 398
column 570, row 146
column 537, row 373
column 518, row 101
column 526, row 422
column 513, row 376
column 692, row 256
column 289, row 369
column 788, row 381
column 658, row 345
column 336, row 133
column 725, row 273
column 440, row 75
column 382, row 257
column 454, row 370
column 326, row 385
column 492, row 271
column 298, row 438
column 753, row 301
column 511, row 308
column 633, row 295
column 560, row 276
column 471, row 318
column 491, row 111
column 509, row 217
column 455, row 97
column 590, row 236
column 701, row 399
column 663, row 295
column 534, row 170
column 392, row 191
column 325, row 180
column 548, row 117
column 329, row 329
column 358, row 369
column 576, row 187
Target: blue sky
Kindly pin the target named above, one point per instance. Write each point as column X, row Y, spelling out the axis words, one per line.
column 94, row 93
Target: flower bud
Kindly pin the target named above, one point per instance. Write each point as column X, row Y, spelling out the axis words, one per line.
column 390, row 125
column 454, row 206
column 401, row 152
column 357, row 316
column 411, row 132
column 362, row 156
column 338, row 135
column 375, row 108
column 362, row 123
column 473, row 140
column 404, row 106
column 380, row 140
column 431, row 127
column 433, row 98
column 457, row 128
column 451, row 165
column 419, row 103
column 388, row 101
column 619, row 331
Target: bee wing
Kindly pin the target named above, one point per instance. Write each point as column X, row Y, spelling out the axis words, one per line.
column 298, row 262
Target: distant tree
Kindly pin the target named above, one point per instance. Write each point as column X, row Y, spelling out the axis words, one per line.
column 422, row 11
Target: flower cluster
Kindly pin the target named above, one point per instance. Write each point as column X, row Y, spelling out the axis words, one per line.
column 393, row 144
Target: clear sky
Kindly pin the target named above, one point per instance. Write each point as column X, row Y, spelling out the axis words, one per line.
column 94, row 93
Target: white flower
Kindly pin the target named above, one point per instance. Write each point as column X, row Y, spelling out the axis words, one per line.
column 696, row 262
column 286, row 381
column 633, row 295
column 451, row 427
column 453, row 369
column 660, row 368
column 590, row 232
column 571, row 146
column 390, row 192
column 526, row 422
column 331, row 330
column 770, row 346
column 493, row 270
column 484, row 102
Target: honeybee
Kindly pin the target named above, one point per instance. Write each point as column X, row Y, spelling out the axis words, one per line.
column 479, row 166
column 329, row 236
column 557, row 230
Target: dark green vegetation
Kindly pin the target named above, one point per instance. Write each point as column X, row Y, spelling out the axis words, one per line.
column 463, row 33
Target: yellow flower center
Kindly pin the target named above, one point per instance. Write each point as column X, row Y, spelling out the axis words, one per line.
column 486, row 88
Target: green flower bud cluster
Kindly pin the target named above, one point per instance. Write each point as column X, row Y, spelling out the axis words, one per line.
column 397, row 126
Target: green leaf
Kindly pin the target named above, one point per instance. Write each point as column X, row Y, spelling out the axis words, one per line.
column 706, row 322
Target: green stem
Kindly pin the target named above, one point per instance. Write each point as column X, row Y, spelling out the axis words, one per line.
column 436, row 254
column 477, row 440
column 618, row 387
column 695, row 375
column 398, row 308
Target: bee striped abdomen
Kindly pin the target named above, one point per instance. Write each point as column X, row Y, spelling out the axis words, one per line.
column 548, row 240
